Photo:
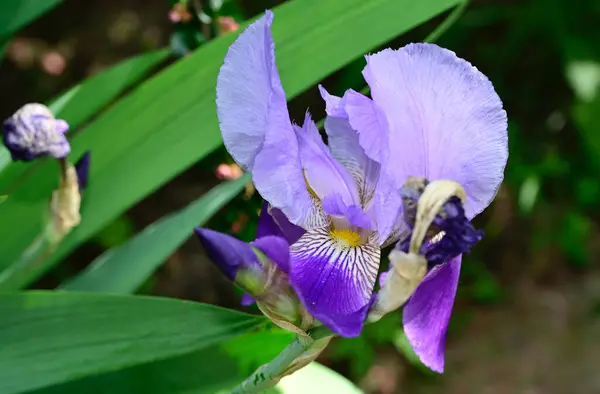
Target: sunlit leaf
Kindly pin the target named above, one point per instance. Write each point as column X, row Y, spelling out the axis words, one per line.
column 53, row 337
column 125, row 268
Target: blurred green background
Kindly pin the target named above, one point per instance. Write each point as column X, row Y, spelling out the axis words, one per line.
column 527, row 316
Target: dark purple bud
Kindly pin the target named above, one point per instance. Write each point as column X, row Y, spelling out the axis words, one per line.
column 82, row 167
column 229, row 254
column 256, row 269
column 33, row 132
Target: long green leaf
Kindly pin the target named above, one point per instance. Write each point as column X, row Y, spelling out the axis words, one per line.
column 170, row 121
column 15, row 14
column 230, row 363
column 52, row 337
column 78, row 104
column 208, row 371
column 124, row 269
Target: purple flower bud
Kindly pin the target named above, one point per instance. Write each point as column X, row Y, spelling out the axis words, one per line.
column 259, row 269
column 33, row 132
column 82, row 167
column 230, row 255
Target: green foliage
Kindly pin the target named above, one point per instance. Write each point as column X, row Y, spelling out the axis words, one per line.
column 170, row 121
column 79, row 103
column 15, row 14
column 66, row 336
column 123, row 269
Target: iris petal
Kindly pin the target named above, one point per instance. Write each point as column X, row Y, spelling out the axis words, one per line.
column 255, row 123
column 334, row 205
column 323, row 173
column 334, row 280
column 275, row 248
column 427, row 313
column 445, row 120
column 345, row 147
column 353, row 126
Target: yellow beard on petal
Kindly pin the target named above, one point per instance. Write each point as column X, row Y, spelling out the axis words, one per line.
column 347, row 238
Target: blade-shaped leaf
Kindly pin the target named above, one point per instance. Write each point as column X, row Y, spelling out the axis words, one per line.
column 170, row 121
column 82, row 101
column 125, row 268
column 79, row 103
column 52, row 337
column 15, row 14
column 209, row 371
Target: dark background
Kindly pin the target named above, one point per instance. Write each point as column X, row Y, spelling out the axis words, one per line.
column 527, row 316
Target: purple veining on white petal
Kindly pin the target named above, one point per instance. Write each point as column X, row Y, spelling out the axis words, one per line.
column 334, row 281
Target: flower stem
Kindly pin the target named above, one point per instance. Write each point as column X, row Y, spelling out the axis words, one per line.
column 269, row 374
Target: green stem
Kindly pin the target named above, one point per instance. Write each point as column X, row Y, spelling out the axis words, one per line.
column 268, row 375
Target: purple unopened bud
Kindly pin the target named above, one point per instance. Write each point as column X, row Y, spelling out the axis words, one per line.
column 229, row 254
column 260, row 269
column 33, row 132
column 82, row 167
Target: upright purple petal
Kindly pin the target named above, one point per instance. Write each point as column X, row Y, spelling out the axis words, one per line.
column 345, row 146
column 354, row 127
column 427, row 313
column 334, row 279
column 445, row 120
column 255, row 123
column 323, row 173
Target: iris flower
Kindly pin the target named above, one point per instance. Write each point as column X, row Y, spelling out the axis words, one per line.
column 431, row 115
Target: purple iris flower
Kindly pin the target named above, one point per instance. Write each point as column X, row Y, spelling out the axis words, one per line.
column 33, row 132
column 431, row 115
